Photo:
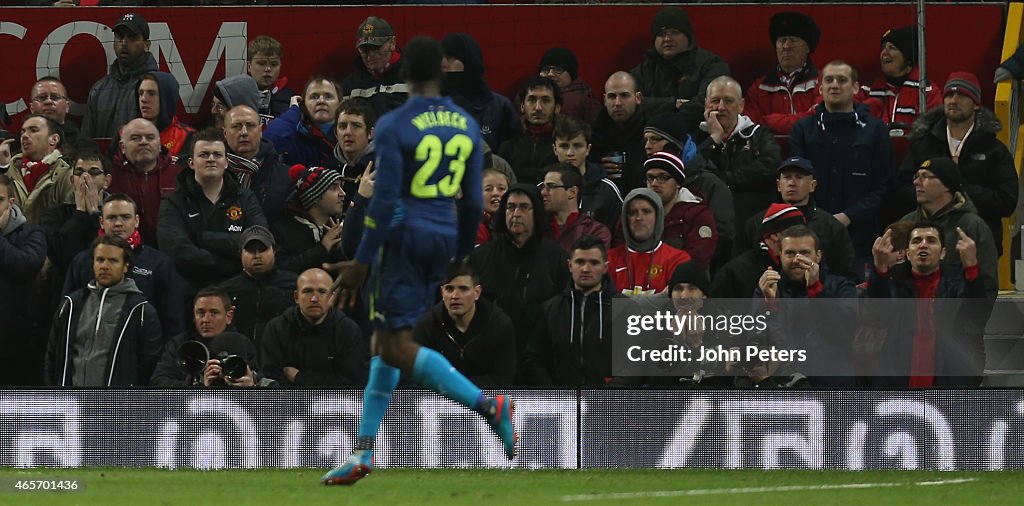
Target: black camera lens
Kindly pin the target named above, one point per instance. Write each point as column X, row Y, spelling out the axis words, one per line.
column 233, row 366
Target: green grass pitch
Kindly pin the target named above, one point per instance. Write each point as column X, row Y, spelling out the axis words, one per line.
column 113, row 486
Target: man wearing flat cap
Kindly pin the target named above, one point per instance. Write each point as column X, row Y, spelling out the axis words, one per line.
column 778, row 99
column 964, row 131
column 377, row 75
column 676, row 71
column 112, row 100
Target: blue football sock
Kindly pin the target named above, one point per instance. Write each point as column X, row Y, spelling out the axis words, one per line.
column 434, row 371
column 376, row 397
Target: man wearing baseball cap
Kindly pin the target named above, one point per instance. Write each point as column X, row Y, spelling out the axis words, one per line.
column 112, row 100
column 796, row 183
column 965, row 131
column 261, row 291
column 377, row 75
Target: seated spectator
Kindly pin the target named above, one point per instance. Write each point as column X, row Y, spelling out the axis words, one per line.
column 578, row 101
column 104, row 334
column 158, row 102
column 309, row 235
column 739, row 278
column 495, row 184
column 941, row 199
column 827, row 335
column 254, row 161
column 41, row 176
column 49, row 97
column 741, row 152
column 463, row 80
column 472, row 333
column 599, row 198
column 965, row 131
column 22, row 253
column 644, row 263
column 618, row 131
column 212, row 314
column 200, row 222
column 560, row 192
column 948, row 350
column 72, row 226
column 796, row 184
column 898, row 89
column 355, row 151
column 143, row 170
column 778, row 99
column 304, row 134
column 519, row 267
column 527, row 152
column 314, row 343
column 676, row 73
column 573, row 345
column 666, row 132
column 230, row 92
column 686, row 221
column 265, row 56
column 152, row 270
column 377, row 74
column 261, row 291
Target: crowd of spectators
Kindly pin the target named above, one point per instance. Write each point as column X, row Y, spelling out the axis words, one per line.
column 205, row 256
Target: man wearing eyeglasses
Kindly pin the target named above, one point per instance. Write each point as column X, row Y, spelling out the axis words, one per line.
column 520, row 268
column 112, row 100
column 378, row 67
column 49, row 98
column 560, row 192
column 687, row 222
column 779, row 98
column 71, row 226
column 578, row 101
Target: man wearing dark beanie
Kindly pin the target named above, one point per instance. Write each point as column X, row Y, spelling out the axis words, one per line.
column 561, row 66
column 941, row 199
column 965, row 132
column 676, row 71
column 894, row 94
column 778, row 99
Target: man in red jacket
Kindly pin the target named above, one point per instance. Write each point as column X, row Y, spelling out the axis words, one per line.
column 778, row 99
column 143, row 170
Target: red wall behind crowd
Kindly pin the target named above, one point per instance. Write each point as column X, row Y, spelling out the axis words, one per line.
column 605, row 38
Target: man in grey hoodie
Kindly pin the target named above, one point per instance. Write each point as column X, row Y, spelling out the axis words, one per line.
column 105, row 334
column 230, row 92
column 112, row 100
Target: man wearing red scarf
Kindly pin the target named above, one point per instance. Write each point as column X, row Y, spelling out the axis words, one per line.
column 530, row 151
column 40, row 174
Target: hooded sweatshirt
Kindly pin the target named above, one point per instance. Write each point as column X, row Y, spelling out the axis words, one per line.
column 113, row 100
column 96, row 333
column 174, row 135
column 644, row 266
column 497, row 117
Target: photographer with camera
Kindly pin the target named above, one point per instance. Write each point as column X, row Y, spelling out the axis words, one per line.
column 201, row 355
